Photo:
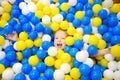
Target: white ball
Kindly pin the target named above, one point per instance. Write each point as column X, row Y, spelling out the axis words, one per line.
column 14, row 46
column 108, row 3
column 58, row 75
column 107, row 10
column 118, row 65
column 8, row 74
column 52, row 5
column 40, row 34
column 2, row 55
column 57, row 18
column 27, row 1
column 112, row 65
column 99, row 35
column 52, row 51
column 0, row 48
column 46, row 37
column 27, row 77
column 65, row 67
column 85, row 38
column 32, row 7
column 45, row 2
column 116, row 75
column 46, row 19
column 89, row 62
column 108, row 74
column 79, row 30
column 1, row 10
column 22, row 5
column 81, row 56
column 11, row 1
column 7, row 43
column 94, row 30
column 3, row 2
column 109, row 57
column 17, row 67
column 85, row 47
column 25, row 10
column 72, row 2
column 118, row 15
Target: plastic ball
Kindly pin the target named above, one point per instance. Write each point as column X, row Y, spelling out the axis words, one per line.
column 65, row 67
column 26, row 68
column 108, row 74
column 74, row 73
column 52, row 51
column 66, row 58
column 116, row 75
column 31, row 7
column 46, row 19
column 34, row 74
column 49, row 73
column 96, row 21
column 89, row 13
column 33, row 60
column 39, row 28
column 64, row 7
column 103, row 13
column 41, row 67
column 92, row 50
column 72, row 2
column 23, row 36
column 115, row 40
column 84, row 69
column 55, row 26
column 1, row 10
column 7, row 7
column 113, row 21
column 112, row 65
column 11, row 55
column 85, row 21
column 79, row 15
column 76, row 64
column 73, row 51
column 58, row 75
column 57, row 18
column 46, row 45
column 49, row 61
column 77, row 36
column 67, row 77
column 69, row 41
column 8, row 29
column 29, row 43
column 47, row 30
column 96, row 8
column 78, row 44
column 104, row 63
column 71, row 31
column 76, row 23
column 86, row 38
column 33, row 35
column 58, row 63
column 96, row 75
column 8, row 74
column 93, row 40
column 39, row 14
column 22, row 5
column 18, row 28
column 79, row 6
column 27, row 27
column 2, row 55
column 27, row 53
column 5, row 16
column 101, row 42
column 2, row 68
column 108, row 4
column 107, row 36
column 46, row 37
column 2, row 40
column 19, row 56
column 20, row 76
column 118, row 15
column 81, row 56
column 116, row 30
column 109, row 57
column 38, row 42
column 70, row 17
column 64, row 25
column 102, row 29
column 17, row 67
column 55, row 11
column 115, row 50
column 2, row 23
column 89, row 62
column 87, row 30
column 25, row 10
column 20, row 45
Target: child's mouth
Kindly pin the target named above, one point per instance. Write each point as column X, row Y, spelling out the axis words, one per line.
column 59, row 45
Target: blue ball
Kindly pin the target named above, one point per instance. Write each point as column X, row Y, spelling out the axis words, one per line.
column 5, row 62
column 70, row 17
column 102, row 69
column 13, row 62
column 18, row 28
column 64, row 14
column 92, row 50
column 49, row 73
column 27, row 27
column 79, row 6
column 41, row 67
column 102, row 29
column 98, row 2
column 35, row 20
column 73, row 52
column 8, row 29
column 34, row 49
column 78, row 44
column 33, row 35
column 87, row 29
column 15, row 7
column 39, row 27
column 96, row 75
column 84, row 69
column 88, row 7
column 26, row 68
column 27, row 53
column 11, row 55
column 96, row 67
column 62, row 1
column 25, row 61
column 42, row 78
column 83, row 77
column 47, row 30
column 23, row 20
column 107, row 36
column 34, row 74
column 85, row 21
column 19, row 76
column 72, row 10
column 103, row 13
column 76, row 63
column 67, row 49
column 29, row 15
column 12, row 22
column 115, row 40
column 46, row 45
column 82, row 1
column 41, row 54
column 9, row 48
column 76, row 23
column 15, row 13
column 116, row 30
column 89, row 13
column 113, row 21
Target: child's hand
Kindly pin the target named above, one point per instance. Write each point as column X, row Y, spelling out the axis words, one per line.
column 13, row 36
column 103, row 52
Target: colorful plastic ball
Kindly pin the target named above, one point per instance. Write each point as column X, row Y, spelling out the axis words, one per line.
column 118, row 15
column 76, row 23
column 81, row 56
column 33, row 60
column 49, row 61
column 96, row 21
column 71, row 30
column 67, row 49
column 8, row 74
column 41, row 54
column 103, row 13
column 96, row 8
column 41, row 67
column 2, row 67
column 39, row 27
column 64, row 14
column 38, row 42
column 26, row 68
column 15, row 13
column 29, row 43
column 64, row 25
column 104, row 63
column 115, row 50
column 35, row 20
column 18, row 28
column 116, row 30
column 73, row 51
column 65, row 58
column 72, row 10
column 19, row 76
column 22, row 5
column 116, row 75
column 17, row 67
column 115, row 40
column 102, row 29
column 55, row 26
column 2, row 55
column 11, row 55
column 98, row 2
column 113, row 21
column 112, row 65
column 46, row 19
column 92, row 50
column 69, row 41
column 89, row 62
column 23, row 36
column 26, row 53
column 52, row 51
column 19, row 56
column 49, row 73
column 108, row 74
column 5, row 16
column 87, row 29
column 79, row 15
column 42, row 78
column 79, row 7
column 58, row 63
column 85, row 21
column 84, row 69
column 57, row 18
column 78, row 35
column 47, row 30
column 23, row 19
column 101, row 44
column 78, row 44
column 65, row 67
column 46, row 37
column 58, row 74
column 89, row 13
column 67, row 77
column 2, row 40
column 34, row 74
column 8, row 29
column 93, row 40
column 12, row 22
column 96, row 75
column 74, row 73
column 46, row 45
column 76, row 63
column 33, row 35
column 107, row 36
column 20, row 45
column 7, row 7
column 70, row 17
column 109, row 57
column 27, row 27
column 64, row 7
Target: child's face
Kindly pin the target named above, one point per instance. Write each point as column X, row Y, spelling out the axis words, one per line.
column 59, row 40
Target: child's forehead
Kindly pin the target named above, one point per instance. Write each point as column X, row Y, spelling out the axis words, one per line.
column 60, row 32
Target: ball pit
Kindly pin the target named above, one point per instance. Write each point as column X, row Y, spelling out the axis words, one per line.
column 90, row 26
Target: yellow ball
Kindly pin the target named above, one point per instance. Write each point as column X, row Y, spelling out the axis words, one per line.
column 23, row 36
column 38, row 42
column 115, row 8
column 19, row 56
column 71, row 30
column 39, row 6
column 104, row 63
column 64, row 25
column 96, row 8
column 69, row 40
column 96, row 21
column 115, row 51
column 99, row 57
column 2, row 68
column 90, row 1
column 33, row 60
column 49, row 61
column 7, row 7
column 104, row 79
column 55, row 26
column 93, row 40
column 68, row 77
column 2, row 41
column 57, row 64
column 39, row 14
column 5, row 16
column 2, row 23
column 75, row 73
column 29, row 43
column 20, row 45
column 59, row 53
column 55, row 1
column 55, row 11
column 66, row 58
column 64, row 7
column 101, row 44
column 77, row 36
column 47, row 10
column 79, row 15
